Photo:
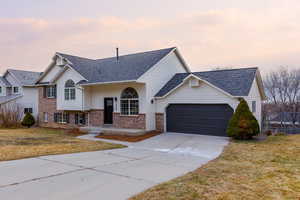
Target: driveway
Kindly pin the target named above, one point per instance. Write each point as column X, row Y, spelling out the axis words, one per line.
column 112, row 174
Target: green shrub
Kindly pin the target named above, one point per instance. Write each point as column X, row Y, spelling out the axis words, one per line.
column 243, row 125
column 28, row 120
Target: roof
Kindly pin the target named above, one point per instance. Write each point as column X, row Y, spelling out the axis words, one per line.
column 4, row 82
column 26, row 78
column 5, row 99
column 236, row 82
column 126, row 68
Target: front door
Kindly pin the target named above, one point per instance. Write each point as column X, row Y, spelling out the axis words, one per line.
column 108, row 110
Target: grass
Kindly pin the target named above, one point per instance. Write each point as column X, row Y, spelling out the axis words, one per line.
column 268, row 169
column 130, row 138
column 26, row 143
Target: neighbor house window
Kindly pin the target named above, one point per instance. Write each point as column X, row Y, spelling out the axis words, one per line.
column 50, row 91
column 62, row 118
column 80, row 118
column 16, row 90
column 129, row 102
column 253, row 106
column 28, row 110
column 70, row 90
column 0, row 89
column 45, row 117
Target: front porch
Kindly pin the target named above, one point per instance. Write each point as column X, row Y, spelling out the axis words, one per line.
column 109, row 130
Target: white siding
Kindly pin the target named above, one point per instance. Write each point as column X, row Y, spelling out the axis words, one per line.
column 12, row 80
column 62, row 104
column 96, row 95
column 3, row 93
column 155, row 79
column 51, row 74
column 29, row 100
column 254, row 95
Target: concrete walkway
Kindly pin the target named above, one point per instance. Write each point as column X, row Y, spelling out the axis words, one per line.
column 113, row 174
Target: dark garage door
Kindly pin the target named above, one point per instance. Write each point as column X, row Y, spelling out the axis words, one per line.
column 203, row 119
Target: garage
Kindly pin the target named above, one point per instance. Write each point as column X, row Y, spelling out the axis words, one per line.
column 202, row 119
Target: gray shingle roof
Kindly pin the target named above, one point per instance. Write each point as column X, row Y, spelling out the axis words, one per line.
column 4, row 82
column 5, row 99
column 128, row 67
column 236, row 82
column 27, row 78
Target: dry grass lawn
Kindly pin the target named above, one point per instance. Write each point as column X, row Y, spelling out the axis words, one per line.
column 25, row 143
column 246, row 170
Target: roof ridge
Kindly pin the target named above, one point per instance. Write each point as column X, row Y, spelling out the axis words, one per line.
column 65, row 54
column 227, row 69
column 10, row 69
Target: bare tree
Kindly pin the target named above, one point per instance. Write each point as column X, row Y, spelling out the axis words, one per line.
column 283, row 89
column 10, row 115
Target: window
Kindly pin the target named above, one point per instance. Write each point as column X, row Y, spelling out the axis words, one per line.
column 80, row 118
column 45, row 117
column 70, row 93
column 50, row 92
column 62, row 118
column 16, row 90
column 28, row 110
column 0, row 89
column 254, row 106
column 129, row 102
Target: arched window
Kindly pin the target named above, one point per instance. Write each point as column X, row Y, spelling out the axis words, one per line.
column 129, row 102
column 70, row 93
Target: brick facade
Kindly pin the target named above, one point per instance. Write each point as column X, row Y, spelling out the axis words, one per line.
column 96, row 117
column 48, row 105
column 159, row 122
column 134, row 122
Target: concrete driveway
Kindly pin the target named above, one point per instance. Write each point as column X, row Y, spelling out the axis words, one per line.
column 112, row 174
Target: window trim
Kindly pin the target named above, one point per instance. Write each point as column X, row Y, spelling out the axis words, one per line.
column 62, row 118
column 69, row 92
column 51, row 92
column 129, row 100
column 14, row 87
column 28, row 110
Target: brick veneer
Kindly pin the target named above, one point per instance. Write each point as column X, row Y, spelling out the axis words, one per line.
column 96, row 117
column 134, row 122
column 48, row 105
column 159, row 122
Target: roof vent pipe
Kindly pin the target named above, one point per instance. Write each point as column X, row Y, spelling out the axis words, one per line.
column 117, row 51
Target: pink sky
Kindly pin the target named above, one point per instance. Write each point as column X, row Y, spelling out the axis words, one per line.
column 209, row 34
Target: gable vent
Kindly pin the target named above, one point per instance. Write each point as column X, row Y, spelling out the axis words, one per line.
column 194, row 83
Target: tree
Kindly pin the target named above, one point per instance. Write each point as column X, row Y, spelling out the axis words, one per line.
column 243, row 125
column 28, row 120
column 283, row 90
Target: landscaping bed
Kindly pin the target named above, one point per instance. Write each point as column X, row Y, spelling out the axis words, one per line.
column 268, row 169
column 33, row 142
column 129, row 138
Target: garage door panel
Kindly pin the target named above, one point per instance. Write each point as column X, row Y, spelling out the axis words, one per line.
column 206, row 119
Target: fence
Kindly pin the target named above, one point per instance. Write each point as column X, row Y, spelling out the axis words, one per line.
column 283, row 122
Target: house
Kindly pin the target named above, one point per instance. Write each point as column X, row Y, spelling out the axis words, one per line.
column 152, row 90
column 285, row 118
column 18, row 87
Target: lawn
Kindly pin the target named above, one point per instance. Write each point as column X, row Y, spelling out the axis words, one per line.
column 26, row 143
column 268, row 169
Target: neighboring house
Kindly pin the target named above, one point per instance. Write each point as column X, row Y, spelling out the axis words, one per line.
column 150, row 91
column 17, row 87
column 285, row 118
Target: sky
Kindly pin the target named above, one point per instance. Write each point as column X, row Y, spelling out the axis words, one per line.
column 209, row 33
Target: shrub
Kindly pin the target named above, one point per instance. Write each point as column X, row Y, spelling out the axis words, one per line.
column 10, row 115
column 243, row 125
column 268, row 133
column 28, row 120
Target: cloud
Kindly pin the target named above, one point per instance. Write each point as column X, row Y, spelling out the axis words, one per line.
column 228, row 37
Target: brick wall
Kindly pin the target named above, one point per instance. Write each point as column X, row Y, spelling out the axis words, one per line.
column 134, row 122
column 159, row 122
column 96, row 117
column 48, row 105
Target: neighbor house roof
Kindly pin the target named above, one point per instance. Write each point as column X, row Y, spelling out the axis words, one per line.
column 126, row 68
column 26, row 78
column 4, row 82
column 5, row 99
column 236, row 82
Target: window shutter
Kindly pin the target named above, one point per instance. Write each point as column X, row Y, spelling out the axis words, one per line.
column 45, row 91
column 55, row 91
column 83, row 118
column 76, row 118
column 68, row 117
column 55, row 117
